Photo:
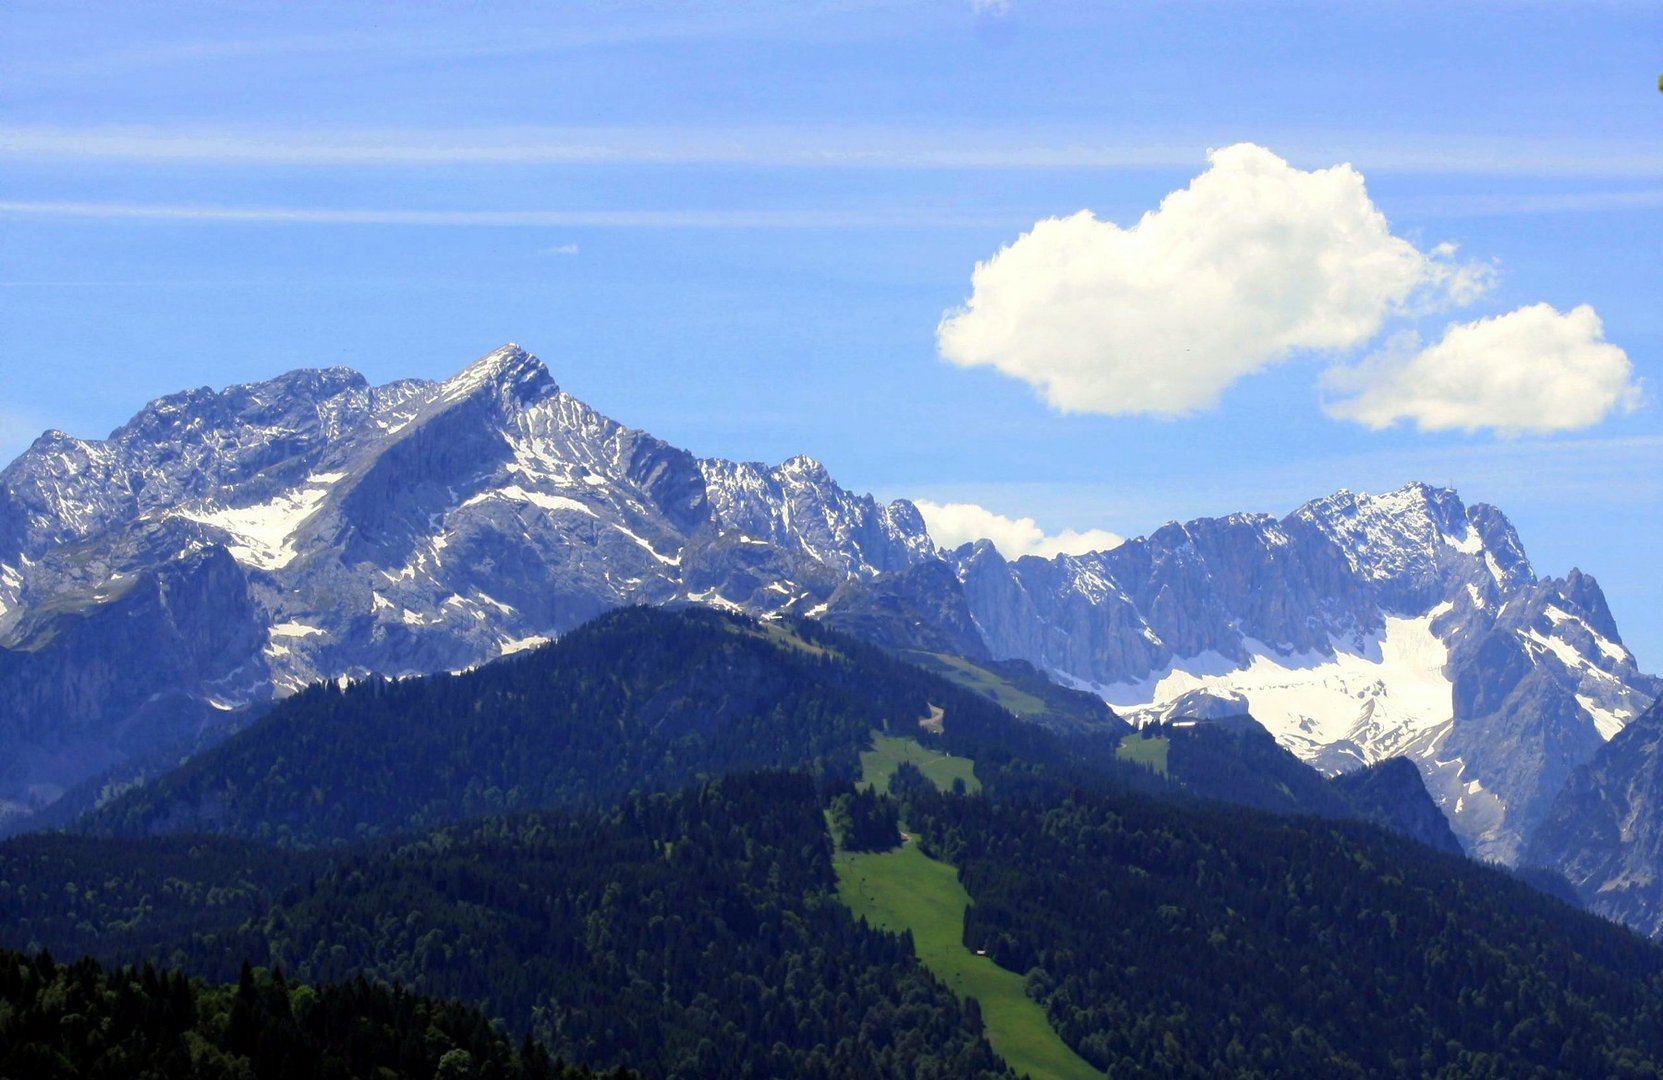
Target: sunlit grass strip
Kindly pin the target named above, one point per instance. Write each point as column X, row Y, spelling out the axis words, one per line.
column 905, row 890
column 1150, row 753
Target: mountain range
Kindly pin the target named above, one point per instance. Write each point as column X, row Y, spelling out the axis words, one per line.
column 1356, row 628
column 223, row 550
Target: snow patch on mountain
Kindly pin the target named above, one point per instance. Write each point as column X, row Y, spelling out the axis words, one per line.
column 1607, row 719
column 293, row 629
column 1357, row 704
column 667, row 560
column 11, row 589
column 510, row 646
column 263, row 535
column 515, row 493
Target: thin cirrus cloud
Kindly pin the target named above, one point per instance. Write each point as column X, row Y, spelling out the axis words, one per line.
column 798, row 218
column 1534, row 370
column 743, row 146
column 953, row 524
column 874, row 147
column 1253, row 262
column 690, row 21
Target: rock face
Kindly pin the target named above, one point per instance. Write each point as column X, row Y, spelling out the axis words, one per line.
column 226, row 548
column 1357, row 628
column 147, row 661
column 1604, row 831
column 921, row 608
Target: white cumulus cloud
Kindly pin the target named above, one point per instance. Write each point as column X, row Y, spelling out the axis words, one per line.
column 1534, row 369
column 952, row 524
column 1253, row 261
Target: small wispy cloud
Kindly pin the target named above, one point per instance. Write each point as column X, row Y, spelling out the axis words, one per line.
column 500, row 41
column 955, row 523
column 561, row 249
column 874, row 148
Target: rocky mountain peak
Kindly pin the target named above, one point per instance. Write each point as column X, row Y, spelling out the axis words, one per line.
column 291, row 400
column 1503, row 550
column 509, row 372
column 1414, row 518
column 803, row 469
column 1413, row 543
column 1583, row 591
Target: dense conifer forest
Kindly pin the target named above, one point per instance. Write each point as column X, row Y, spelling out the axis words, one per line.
column 1197, row 941
column 686, row 935
column 62, row 1021
column 129, row 902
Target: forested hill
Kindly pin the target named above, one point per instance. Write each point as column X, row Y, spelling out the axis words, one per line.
column 697, row 934
column 649, row 699
column 135, row 901
column 1193, row 941
column 676, row 913
column 639, row 700
column 689, row 935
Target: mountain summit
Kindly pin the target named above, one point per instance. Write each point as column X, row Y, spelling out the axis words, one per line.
column 226, row 548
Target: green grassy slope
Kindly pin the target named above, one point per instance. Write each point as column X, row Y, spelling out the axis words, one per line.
column 975, row 677
column 904, row 889
column 1150, row 753
column 1023, row 691
column 878, row 764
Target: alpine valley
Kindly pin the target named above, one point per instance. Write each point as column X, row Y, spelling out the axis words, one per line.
column 454, row 714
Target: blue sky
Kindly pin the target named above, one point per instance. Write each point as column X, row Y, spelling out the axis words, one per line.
column 740, row 225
